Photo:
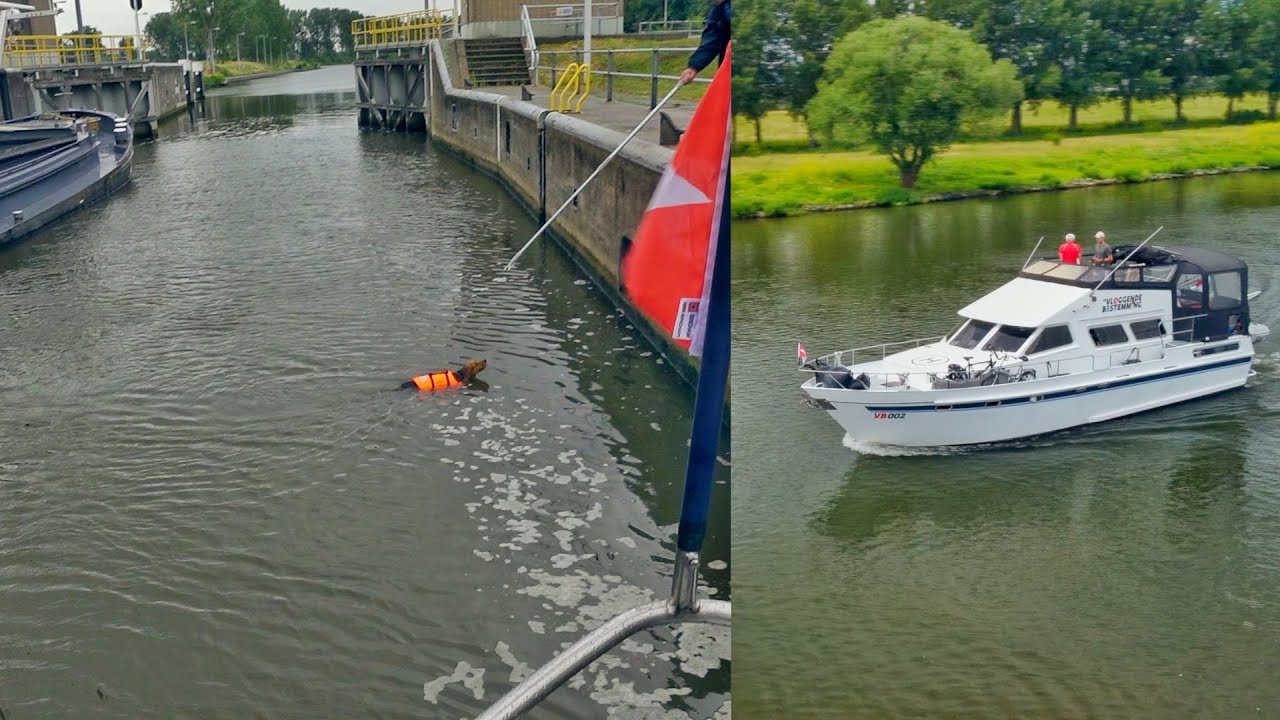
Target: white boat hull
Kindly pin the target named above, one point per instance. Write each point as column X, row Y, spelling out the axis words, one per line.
column 1018, row 410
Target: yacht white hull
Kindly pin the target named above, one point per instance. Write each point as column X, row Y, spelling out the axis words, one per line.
column 1006, row 412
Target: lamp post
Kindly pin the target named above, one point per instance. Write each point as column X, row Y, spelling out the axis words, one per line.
column 137, row 27
column 186, row 39
column 238, row 46
column 211, row 53
column 257, row 55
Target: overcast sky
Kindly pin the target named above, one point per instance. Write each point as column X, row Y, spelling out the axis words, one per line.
column 113, row 17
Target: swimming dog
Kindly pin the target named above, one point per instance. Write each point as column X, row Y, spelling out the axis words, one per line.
column 444, row 379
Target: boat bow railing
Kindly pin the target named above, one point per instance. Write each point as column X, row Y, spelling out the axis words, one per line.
column 996, row 369
column 849, row 358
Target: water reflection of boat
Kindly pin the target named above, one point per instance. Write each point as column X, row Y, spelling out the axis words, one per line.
column 54, row 164
column 1059, row 346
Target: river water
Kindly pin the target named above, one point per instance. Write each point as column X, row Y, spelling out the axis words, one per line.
column 1130, row 569
column 215, row 504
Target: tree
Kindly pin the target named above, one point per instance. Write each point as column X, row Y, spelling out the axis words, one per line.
column 1023, row 31
column 807, row 29
column 1266, row 49
column 755, row 66
column 909, row 85
column 1227, row 28
column 1131, row 49
column 1074, row 53
column 1183, row 51
column 164, row 34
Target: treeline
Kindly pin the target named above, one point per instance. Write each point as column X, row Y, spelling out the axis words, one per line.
column 638, row 11
column 1074, row 52
column 262, row 28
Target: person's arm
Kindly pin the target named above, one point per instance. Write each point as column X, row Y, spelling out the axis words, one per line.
column 715, row 37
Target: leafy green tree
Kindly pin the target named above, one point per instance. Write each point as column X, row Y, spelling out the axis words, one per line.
column 909, row 86
column 1074, row 52
column 1023, row 31
column 1266, row 49
column 1131, row 49
column 1227, row 29
column 756, row 77
column 164, row 34
column 808, row 28
column 1183, row 51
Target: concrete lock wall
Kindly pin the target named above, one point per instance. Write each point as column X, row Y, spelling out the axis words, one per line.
column 541, row 157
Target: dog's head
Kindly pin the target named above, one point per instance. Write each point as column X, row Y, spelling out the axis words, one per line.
column 473, row 367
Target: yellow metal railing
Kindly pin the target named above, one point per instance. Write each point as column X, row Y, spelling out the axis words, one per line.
column 565, row 94
column 413, row 28
column 27, row 51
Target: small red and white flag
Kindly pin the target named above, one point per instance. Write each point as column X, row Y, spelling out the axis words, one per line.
column 801, row 355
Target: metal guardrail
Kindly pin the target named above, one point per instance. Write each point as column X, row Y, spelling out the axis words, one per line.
column 38, row 51
column 402, row 30
column 571, row 13
column 564, row 96
column 674, row 27
column 611, row 72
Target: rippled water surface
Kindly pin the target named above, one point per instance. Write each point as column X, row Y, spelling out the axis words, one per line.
column 1130, row 569
column 214, row 503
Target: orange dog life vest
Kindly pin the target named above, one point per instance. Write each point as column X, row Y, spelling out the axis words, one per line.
column 438, row 380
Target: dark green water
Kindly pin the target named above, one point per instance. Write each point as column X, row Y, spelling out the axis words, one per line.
column 1130, row 569
column 214, row 504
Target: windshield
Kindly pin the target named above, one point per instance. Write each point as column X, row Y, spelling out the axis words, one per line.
column 1008, row 338
column 971, row 334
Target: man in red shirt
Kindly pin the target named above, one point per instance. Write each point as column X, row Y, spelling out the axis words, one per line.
column 1069, row 251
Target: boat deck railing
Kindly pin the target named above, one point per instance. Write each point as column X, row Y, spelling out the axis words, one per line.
column 850, row 358
column 1006, row 368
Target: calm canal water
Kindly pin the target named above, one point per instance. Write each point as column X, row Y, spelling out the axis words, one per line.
column 214, row 504
column 1130, row 569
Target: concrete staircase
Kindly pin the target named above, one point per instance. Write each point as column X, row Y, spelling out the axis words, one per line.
column 497, row 61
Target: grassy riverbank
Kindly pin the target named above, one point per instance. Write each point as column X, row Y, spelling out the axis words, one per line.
column 781, row 131
column 780, row 184
column 234, row 68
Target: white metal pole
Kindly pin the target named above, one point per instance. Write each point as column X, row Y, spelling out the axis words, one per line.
column 137, row 34
column 586, row 32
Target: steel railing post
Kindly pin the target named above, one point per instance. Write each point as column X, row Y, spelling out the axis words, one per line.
column 608, row 95
column 653, row 81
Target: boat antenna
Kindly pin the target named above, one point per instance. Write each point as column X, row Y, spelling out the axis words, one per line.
column 1126, row 259
column 1033, row 253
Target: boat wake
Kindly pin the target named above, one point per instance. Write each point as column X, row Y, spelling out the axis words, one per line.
column 863, row 447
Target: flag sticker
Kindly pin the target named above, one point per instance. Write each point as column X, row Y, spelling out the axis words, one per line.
column 686, row 319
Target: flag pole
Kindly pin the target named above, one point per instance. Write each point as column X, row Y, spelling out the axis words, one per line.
column 512, row 263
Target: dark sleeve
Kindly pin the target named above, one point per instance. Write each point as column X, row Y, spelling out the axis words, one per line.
column 715, row 38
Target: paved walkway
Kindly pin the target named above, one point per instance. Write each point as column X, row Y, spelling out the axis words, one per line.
column 622, row 114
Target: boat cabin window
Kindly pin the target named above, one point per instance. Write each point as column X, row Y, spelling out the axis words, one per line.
column 1146, row 329
column 1190, row 291
column 1158, row 273
column 1008, row 338
column 1224, row 290
column 1128, row 275
column 1108, row 335
column 970, row 334
column 1051, row 338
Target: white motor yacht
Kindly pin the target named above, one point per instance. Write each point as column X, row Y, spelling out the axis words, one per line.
column 1060, row 345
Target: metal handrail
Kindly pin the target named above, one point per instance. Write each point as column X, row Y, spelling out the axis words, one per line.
column 30, row 51
column 562, row 85
column 666, row 26
column 530, row 40
column 403, row 29
column 576, row 12
column 584, row 71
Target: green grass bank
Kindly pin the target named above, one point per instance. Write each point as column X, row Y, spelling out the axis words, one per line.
column 781, row 184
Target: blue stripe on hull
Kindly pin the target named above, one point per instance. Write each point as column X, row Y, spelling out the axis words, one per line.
column 1060, row 394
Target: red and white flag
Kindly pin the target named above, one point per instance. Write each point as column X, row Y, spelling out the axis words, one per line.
column 667, row 272
column 801, row 355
